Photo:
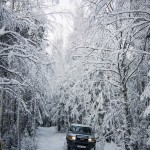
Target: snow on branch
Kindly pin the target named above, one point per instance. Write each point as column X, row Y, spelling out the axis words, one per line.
column 130, row 11
column 147, row 112
column 5, row 81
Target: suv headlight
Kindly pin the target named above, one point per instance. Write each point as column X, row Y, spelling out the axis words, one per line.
column 71, row 137
column 91, row 140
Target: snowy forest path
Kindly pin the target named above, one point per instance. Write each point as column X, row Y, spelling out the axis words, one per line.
column 49, row 139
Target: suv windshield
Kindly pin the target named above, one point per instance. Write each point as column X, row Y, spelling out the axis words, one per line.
column 80, row 129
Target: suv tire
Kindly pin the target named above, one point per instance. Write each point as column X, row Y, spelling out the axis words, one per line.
column 68, row 148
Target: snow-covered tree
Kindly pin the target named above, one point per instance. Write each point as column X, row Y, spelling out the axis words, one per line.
column 25, row 71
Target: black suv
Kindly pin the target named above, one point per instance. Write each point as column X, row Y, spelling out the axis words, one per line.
column 80, row 137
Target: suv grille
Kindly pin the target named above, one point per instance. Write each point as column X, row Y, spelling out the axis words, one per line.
column 81, row 138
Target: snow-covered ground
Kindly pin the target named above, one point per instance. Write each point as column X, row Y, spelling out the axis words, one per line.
column 49, row 139
column 111, row 146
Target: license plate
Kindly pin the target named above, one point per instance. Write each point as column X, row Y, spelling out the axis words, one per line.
column 81, row 146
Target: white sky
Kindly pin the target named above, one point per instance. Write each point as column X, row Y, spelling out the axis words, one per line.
column 64, row 23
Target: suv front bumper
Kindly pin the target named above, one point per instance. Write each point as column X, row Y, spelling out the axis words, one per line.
column 81, row 145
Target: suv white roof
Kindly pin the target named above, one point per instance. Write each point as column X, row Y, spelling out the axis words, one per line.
column 81, row 125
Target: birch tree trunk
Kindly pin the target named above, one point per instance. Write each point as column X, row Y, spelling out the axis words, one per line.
column 127, row 115
column 13, row 5
column 1, row 106
column 18, row 126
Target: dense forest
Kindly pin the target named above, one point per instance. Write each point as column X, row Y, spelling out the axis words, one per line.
column 25, row 71
column 100, row 77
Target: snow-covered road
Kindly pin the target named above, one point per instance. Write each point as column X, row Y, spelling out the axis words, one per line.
column 49, row 139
